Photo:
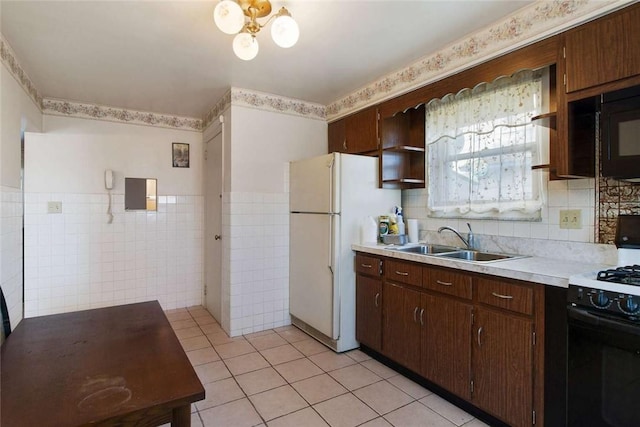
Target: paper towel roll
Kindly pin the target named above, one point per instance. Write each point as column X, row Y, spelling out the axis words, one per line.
column 412, row 227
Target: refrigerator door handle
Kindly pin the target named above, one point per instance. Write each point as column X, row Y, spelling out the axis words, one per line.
column 330, row 166
column 331, row 244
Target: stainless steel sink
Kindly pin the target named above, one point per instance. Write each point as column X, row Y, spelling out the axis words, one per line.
column 477, row 256
column 452, row 252
column 427, row 249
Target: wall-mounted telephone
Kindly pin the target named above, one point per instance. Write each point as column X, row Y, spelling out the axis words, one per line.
column 108, row 184
column 108, row 179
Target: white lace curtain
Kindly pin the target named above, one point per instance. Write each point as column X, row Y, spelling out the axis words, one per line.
column 480, row 149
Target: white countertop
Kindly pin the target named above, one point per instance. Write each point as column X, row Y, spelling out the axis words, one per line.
column 546, row 271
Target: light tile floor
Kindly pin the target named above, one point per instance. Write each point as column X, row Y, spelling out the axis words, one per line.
column 284, row 378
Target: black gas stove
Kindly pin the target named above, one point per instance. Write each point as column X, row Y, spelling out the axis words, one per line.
column 629, row 275
column 603, row 319
column 614, row 291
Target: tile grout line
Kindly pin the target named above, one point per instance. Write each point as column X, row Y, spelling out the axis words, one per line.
column 291, row 384
column 245, row 396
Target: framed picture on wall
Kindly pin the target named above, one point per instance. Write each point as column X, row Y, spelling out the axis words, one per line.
column 180, row 155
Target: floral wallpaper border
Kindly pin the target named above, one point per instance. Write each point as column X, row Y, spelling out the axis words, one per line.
column 12, row 64
column 533, row 23
column 276, row 103
column 217, row 109
column 530, row 24
column 266, row 102
column 77, row 109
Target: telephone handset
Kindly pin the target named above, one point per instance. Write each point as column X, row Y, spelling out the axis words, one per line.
column 108, row 184
column 108, row 179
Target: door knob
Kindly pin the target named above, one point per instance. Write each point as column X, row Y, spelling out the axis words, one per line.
column 217, row 237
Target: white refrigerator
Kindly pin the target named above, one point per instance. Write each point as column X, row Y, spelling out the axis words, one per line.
column 330, row 197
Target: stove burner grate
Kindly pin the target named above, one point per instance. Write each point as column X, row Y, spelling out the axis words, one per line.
column 629, row 275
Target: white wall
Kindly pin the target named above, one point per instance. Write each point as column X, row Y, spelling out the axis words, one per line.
column 18, row 112
column 75, row 152
column 75, row 259
column 263, row 144
column 256, row 213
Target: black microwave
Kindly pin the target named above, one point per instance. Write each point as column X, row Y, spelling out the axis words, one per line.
column 620, row 134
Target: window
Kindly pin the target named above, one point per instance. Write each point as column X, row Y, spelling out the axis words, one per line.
column 481, row 145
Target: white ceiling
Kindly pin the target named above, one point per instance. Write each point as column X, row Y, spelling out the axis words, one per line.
column 168, row 56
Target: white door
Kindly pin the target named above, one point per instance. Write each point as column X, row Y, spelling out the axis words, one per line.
column 213, row 225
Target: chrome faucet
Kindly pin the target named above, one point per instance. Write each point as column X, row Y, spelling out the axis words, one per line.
column 469, row 242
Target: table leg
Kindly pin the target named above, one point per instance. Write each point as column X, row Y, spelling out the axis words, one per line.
column 181, row 416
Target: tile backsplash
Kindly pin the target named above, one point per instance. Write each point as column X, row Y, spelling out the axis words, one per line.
column 76, row 260
column 615, row 198
column 564, row 194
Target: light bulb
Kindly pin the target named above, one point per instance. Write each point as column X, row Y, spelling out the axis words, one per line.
column 228, row 16
column 285, row 31
column 245, row 46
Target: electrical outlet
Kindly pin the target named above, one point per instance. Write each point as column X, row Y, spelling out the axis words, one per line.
column 571, row 218
column 54, row 207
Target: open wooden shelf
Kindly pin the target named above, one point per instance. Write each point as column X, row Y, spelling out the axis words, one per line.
column 536, row 167
column 404, row 148
column 547, row 119
column 403, row 183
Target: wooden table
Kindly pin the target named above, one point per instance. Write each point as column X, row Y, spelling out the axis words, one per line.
column 111, row 366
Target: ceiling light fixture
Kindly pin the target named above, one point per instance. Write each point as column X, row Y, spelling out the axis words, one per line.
column 240, row 18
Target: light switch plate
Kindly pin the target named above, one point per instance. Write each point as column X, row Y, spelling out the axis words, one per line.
column 571, row 218
column 54, row 207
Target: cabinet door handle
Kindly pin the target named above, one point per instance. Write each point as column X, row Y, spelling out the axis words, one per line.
column 415, row 315
column 422, row 317
column 344, row 144
column 479, row 335
column 444, row 283
column 402, row 273
column 366, row 265
column 502, row 296
column 376, row 299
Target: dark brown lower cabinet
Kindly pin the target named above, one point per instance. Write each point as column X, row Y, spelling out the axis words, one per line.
column 502, row 366
column 471, row 334
column 369, row 311
column 412, row 309
column 446, row 344
column 393, row 327
column 401, row 328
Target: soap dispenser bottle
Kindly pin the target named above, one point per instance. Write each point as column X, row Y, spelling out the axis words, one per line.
column 400, row 220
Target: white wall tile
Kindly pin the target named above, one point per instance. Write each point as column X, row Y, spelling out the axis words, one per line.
column 258, row 275
column 116, row 263
column 11, row 242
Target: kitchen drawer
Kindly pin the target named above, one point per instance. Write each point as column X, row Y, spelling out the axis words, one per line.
column 403, row 272
column 448, row 282
column 368, row 265
column 518, row 298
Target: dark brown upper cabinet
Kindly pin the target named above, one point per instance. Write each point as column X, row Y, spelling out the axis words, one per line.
column 355, row 134
column 337, row 137
column 594, row 58
column 603, row 51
